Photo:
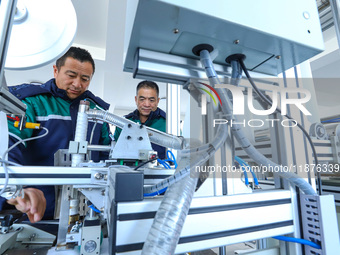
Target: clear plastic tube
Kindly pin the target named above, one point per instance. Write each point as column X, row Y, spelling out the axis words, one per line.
column 169, row 219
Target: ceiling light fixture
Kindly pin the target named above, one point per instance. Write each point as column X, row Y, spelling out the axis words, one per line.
column 42, row 31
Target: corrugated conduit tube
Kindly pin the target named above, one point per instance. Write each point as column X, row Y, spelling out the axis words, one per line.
column 239, row 134
column 155, row 136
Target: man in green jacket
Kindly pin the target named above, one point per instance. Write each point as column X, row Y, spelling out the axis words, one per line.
column 54, row 105
column 147, row 112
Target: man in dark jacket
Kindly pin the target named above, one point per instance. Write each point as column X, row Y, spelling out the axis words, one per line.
column 147, row 112
column 54, row 105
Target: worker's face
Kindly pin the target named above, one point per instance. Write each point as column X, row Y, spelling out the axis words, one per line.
column 74, row 77
column 146, row 101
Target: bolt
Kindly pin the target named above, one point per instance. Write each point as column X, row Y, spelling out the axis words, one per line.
column 140, row 138
column 237, row 41
column 98, row 176
column 278, row 57
column 128, row 137
column 32, row 236
column 175, row 30
column 129, row 125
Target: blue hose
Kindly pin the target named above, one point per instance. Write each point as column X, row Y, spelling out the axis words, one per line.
column 243, row 163
column 155, row 193
column 171, row 158
column 163, row 163
column 94, row 208
column 335, row 120
column 239, row 160
column 297, row 240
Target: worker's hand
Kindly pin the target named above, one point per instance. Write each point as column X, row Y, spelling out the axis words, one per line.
column 33, row 204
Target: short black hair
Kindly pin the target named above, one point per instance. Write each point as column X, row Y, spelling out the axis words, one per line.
column 147, row 84
column 77, row 53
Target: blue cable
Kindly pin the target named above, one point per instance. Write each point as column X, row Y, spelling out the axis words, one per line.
column 155, row 193
column 246, row 181
column 94, row 208
column 331, row 120
column 252, row 173
column 163, row 163
column 243, row 163
column 171, row 155
column 297, row 240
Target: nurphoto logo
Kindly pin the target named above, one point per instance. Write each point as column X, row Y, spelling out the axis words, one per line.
column 239, row 99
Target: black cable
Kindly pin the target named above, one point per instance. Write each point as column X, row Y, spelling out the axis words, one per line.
column 269, row 103
column 144, row 163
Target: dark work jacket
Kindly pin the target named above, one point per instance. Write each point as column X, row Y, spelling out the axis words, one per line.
column 50, row 106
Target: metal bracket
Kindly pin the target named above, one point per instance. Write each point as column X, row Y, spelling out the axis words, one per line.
column 319, row 224
column 335, row 148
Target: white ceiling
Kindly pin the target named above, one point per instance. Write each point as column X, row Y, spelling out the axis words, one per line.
column 101, row 30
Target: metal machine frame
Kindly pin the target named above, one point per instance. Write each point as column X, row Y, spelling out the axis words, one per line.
column 214, row 220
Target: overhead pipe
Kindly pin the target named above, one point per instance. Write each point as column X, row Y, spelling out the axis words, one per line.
column 155, row 136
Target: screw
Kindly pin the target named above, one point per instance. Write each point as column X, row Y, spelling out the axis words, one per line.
column 175, row 30
column 278, row 57
column 32, row 236
column 140, row 138
column 128, row 137
column 129, row 125
column 237, row 41
column 98, row 176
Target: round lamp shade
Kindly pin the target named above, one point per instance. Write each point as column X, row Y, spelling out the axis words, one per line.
column 42, row 31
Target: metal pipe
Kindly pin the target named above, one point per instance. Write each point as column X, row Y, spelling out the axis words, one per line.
column 7, row 13
column 81, row 131
column 92, row 147
column 155, row 136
